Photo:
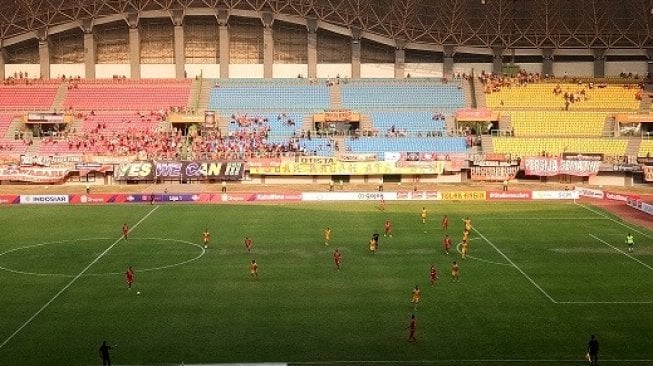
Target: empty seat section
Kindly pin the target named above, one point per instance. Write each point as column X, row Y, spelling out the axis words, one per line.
column 557, row 123
column 407, row 121
column 269, row 97
column 405, row 144
column 108, row 123
column 523, row 146
column 646, row 148
column 422, row 96
column 28, row 97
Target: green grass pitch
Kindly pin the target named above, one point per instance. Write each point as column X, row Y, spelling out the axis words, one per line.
column 541, row 278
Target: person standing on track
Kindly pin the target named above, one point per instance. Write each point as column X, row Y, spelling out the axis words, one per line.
column 104, row 353
column 593, row 350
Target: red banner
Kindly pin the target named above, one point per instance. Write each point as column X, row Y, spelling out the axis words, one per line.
column 615, row 196
column 33, row 174
column 9, row 199
column 259, row 197
column 508, row 195
column 551, row 166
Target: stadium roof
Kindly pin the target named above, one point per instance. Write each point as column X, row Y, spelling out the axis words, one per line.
column 476, row 23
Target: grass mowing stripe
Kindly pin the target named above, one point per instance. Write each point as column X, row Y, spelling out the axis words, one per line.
column 621, row 251
column 613, row 220
column 514, row 265
column 80, row 274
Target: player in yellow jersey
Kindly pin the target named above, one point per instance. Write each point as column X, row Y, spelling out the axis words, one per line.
column 468, row 224
column 373, row 243
column 466, row 235
column 416, row 295
column 327, row 236
column 464, row 250
column 455, row 272
column 423, row 215
column 206, row 236
column 253, row 269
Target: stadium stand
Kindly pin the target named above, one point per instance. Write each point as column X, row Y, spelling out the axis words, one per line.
column 390, row 122
column 279, row 124
column 108, row 123
column 35, row 96
column 523, row 146
column 557, row 123
column 405, row 144
column 377, row 95
column 646, row 148
column 278, row 96
column 126, row 94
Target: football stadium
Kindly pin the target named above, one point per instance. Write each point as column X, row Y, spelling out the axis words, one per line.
column 326, row 182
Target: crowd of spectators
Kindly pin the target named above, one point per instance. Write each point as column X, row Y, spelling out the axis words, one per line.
column 493, row 83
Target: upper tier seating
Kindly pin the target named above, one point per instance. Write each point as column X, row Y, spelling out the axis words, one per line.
column 109, row 123
column 127, row 95
column 282, row 97
column 39, row 96
column 646, row 148
column 406, row 144
column 12, row 147
column 557, row 123
column 540, row 95
column 362, row 95
column 523, row 146
column 5, row 122
column 407, row 121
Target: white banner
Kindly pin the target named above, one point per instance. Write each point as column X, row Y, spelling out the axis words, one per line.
column 42, row 199
column 641, row 206
column 589, row 192
column 349, row 196
column 555, row 195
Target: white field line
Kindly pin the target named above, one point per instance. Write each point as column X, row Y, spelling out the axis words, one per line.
column 80, row 274
column 479, row 361
column 599, row 213
column 622, row 252
column 514, row 265
column 604, row 303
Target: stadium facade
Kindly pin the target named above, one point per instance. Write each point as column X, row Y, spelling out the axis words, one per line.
column 323, row 38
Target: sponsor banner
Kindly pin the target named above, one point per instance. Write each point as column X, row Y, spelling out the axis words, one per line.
column 551, row 166
column 645, row 161
column 9, row 199
column 508, row 195
column 419, row 195
column 317, row 160
column 496, row 173
column 464, row 196
column 349, row 168
column 391, row 156
column 262, row 162
column 489, row 156
column 648, row 173
column 555, row 195
column 198, row 170
column 43, row 199
column 641, row 206
column 33, row 174
column 357, row 157
column 258, row 197
column 579, row 156
column 627, row 168
column 96, row 198
column 46, row 118
column 589, row 192
column 349, row 196
column 476, row 114
column 454, row 165
column 615, row 196
column 102, row 159
column 48, row 160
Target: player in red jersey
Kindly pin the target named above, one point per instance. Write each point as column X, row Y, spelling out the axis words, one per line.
column 387, row 227
column 445, row 223
column 248, row 244
column 129, row 277
column 412, row 325
column 446, row 243
column 125, row 231
column 337, row 258
column 206, row 236
column 434, row 275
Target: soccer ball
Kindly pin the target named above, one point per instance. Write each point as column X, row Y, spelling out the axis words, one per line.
column 138, row 292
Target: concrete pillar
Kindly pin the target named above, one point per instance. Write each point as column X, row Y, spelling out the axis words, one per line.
column 599, row 62
column 44, row 53
column 268, row 52
column 547, row 61
column 447, row 66
column 400, row 59
column 311, row 24
column 3, row 60
column 224, row 51
column 90, row 55
column 497, row 60
column 134, row 46
column 356, row 53
column 180, row 57
column 90, row 49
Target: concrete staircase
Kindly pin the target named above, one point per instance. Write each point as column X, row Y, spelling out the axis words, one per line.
column 450, row 125
column 505, row 122
column 76, row 125
column 203, row 96
column 34, row 148
column 470, row 101
column 335, row 96
column 645, row 103
column 307, row 123
column 14, row 127
column 366, row 122
column 609, row 126
column 486, row 144
column 60, row 97
column 632, row 148
column 479, row 93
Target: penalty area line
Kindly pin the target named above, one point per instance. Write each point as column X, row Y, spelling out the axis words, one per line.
column 516, row 266
column 72, row 281
column 446, row 362
column 621, row 251
column 599, row 213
